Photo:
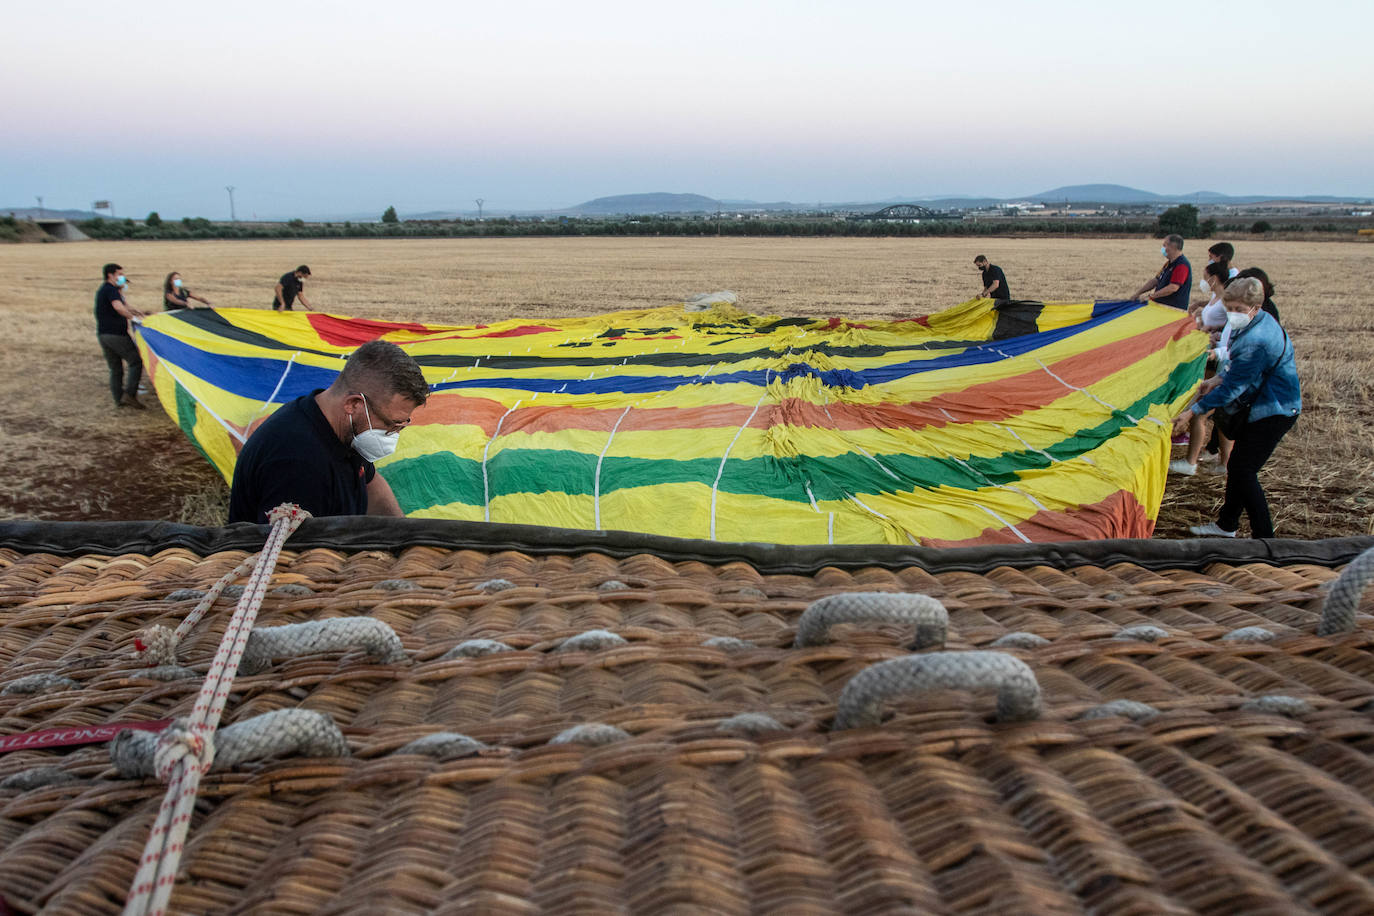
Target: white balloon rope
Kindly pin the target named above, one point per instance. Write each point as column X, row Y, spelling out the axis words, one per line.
column 185, row 751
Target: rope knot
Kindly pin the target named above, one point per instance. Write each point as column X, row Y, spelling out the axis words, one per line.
column 288, row 511
column 179, row 741
column 155, row 646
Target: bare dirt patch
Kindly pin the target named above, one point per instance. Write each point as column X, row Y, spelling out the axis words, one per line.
column 69, row 454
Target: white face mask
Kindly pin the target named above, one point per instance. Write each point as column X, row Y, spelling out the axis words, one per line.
column 1204, row 286
column 373, row 444
column 1238, row 320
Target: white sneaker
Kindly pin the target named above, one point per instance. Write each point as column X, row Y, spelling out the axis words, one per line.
column 1182, row 466
column 1217, row 470
column 1211, row 530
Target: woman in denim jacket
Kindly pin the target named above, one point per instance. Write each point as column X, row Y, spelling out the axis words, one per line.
column 1262, row 373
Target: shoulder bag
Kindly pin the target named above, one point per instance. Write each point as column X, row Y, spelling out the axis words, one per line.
column 1229, row 419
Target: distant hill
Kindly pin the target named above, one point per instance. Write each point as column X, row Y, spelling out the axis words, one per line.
column 1098, row 194
column 659, row 202
column 1121, row 194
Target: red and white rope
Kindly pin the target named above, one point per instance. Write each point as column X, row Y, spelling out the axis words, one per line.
column 157, row 647
column 186, row 751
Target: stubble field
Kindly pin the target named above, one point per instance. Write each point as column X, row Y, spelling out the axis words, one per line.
column 68, row 454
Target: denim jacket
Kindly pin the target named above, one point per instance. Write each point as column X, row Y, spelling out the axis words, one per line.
column 1252, row 353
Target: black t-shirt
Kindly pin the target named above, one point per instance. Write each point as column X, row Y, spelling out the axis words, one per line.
column 1271, row 308
column 107, row 320
column 177, row 299
column 296, row 457
column 290, row 288
column 993, row 272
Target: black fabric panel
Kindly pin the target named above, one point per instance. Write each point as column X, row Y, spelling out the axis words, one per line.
column 212, row 321
column 1017, row 318
column 354, row 533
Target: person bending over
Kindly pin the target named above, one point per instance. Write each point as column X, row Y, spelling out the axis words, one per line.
column 291, row 287
column 994, row 281
column 318, row 450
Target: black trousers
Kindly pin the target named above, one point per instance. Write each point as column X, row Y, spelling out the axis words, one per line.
column 1253, row 447
column 119, row 349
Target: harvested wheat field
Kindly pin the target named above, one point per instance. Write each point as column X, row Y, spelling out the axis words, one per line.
column 70, row 455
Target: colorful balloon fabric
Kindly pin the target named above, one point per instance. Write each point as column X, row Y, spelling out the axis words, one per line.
column 980, row 424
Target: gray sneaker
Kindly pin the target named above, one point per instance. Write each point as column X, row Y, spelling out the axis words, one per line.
column 1217, row 470
column 1211, row 530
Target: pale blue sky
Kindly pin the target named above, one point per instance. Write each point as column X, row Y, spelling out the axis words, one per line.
column 326, row 108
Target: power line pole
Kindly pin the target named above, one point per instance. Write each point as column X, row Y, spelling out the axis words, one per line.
column 479, row 203
column 40, row 207
column 233, row 218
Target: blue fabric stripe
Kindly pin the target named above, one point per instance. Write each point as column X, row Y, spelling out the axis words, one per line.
column 255, row 377
column 980, row 354
column 246, row 376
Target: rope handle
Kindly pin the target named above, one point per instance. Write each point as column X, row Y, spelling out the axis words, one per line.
column 1018, row 692
column 928, row 614
column 376, row 637
column 140, row 754
column 1338, row 611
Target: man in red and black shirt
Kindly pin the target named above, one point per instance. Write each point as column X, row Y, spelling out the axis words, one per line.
column 1171, row 286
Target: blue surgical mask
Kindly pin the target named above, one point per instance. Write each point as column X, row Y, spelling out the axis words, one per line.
column 121, row 281
column 177, row 283
column 1164, row 251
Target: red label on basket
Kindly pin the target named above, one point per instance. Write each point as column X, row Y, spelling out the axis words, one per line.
column 76, row 734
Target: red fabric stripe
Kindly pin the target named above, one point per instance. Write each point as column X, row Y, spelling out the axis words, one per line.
column 447, row 408
column 352, row 332
column 521, row 331
column 1118, row 516
column 991, row 401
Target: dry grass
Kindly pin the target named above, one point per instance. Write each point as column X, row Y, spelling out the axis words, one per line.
column 69, row 455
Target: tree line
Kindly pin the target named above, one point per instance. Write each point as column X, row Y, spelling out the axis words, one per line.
column 1182, row 220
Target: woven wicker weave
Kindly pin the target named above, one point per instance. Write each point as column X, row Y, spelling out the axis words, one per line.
column 1205, row 807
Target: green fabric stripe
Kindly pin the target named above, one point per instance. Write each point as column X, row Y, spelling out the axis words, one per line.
column 186, row 417
column 513, row 470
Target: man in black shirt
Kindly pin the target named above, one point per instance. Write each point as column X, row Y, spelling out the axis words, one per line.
column 994, row 281
column 112, row 314
column 291, row 287
column 318, row 450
